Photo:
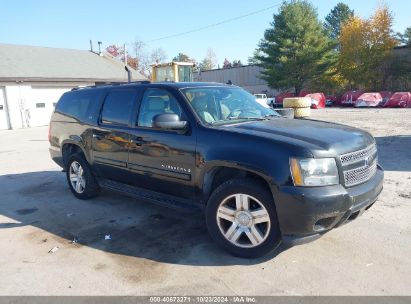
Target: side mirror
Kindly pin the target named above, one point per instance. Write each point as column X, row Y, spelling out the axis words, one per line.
column 169, row 121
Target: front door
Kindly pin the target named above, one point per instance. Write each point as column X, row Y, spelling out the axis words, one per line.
column 161, row 160
column 110, row 140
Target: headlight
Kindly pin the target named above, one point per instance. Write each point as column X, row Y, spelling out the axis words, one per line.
column 314, row 171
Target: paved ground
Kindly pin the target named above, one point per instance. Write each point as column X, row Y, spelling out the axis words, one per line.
column 163, row 252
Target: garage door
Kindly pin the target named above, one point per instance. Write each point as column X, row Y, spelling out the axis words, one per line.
column 3, row 113
column 41, row 104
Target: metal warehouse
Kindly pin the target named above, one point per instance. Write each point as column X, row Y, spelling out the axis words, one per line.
column 32, row 79
column 247, row 77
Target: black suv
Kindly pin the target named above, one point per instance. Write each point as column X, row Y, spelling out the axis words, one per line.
column 260, row 178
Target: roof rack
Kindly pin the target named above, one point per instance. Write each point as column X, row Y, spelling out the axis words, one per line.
column 140, row 81
column 112, row 84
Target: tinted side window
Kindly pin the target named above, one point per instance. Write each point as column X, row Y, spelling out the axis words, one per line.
column 157, row 101
column 118, row 106
column 77, row 104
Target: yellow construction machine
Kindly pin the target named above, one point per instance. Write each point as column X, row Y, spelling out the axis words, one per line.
column 172, row 71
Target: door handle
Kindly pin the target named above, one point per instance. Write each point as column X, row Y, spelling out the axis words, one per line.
column 137, row 141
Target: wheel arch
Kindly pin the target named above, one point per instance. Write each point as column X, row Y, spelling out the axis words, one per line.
column 219, row 172
column 69, row 147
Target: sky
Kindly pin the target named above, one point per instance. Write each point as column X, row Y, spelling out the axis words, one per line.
column 71, row 24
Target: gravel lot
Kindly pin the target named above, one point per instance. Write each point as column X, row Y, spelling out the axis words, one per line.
column 157, row 251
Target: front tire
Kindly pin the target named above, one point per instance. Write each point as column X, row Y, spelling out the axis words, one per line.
column 241, row 218
column 81, row 180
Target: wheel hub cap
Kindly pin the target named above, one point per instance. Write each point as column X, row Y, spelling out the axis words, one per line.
column 243, row 219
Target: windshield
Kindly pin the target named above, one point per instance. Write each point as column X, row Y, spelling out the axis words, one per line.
column 220, row 105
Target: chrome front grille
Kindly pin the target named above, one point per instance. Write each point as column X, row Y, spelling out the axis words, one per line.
column 360, row 175
column 359, row 155
column 359, row 166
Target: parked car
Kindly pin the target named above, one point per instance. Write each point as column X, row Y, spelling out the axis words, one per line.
column 399, row 99
column 386, row 95
column 317, row 100
column 259, row 178
column 278, row 99
column 373, row 99
column 303, row 93
column 263, row 100
column 349, row 98
column 331, row 100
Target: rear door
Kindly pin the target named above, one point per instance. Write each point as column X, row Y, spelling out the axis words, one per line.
column 111, row 138
column 161, row 160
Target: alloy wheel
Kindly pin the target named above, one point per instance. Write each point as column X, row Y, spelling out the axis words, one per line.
column 77, row 179
column 243, row 220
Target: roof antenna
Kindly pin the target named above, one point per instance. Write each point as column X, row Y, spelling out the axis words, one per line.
column 91, row 46
column 99, row 48
column 128, row 73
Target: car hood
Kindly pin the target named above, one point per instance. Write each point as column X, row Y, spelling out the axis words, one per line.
column 323, row 139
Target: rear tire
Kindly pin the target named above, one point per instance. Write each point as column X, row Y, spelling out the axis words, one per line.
column 242, row 219
column 81, row 180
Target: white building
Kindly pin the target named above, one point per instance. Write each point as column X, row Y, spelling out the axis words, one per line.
column 32, row 79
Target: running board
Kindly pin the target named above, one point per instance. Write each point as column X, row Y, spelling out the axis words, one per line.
column 151, row 196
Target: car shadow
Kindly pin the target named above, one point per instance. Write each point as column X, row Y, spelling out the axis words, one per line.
column 394, row 152
column 135, row 228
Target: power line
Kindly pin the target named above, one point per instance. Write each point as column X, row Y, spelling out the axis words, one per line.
column 214, row 24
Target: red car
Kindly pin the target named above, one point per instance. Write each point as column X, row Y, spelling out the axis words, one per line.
column 372, row 99
column 399, row 99
column 317, row 100
column 350, row 97
column 279, row 98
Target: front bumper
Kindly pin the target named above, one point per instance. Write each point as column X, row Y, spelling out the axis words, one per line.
column 309, row 211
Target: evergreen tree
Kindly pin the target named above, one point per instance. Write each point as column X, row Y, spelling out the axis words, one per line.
column 338, row 15
column 295, row 50
column 181, row 57
column 237, row 63
column 407, row 35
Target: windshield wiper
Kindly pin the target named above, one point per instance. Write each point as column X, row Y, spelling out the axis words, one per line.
column 243, row 118
column 272, row 115
column 248, row 118
column 254, row 118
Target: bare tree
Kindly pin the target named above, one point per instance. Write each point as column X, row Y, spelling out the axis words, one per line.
column 210, row 61
column 138, row 47
column 158, row 55
column 227, row 64
column 138, row 57
column 140, row 53
column 212, row 57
